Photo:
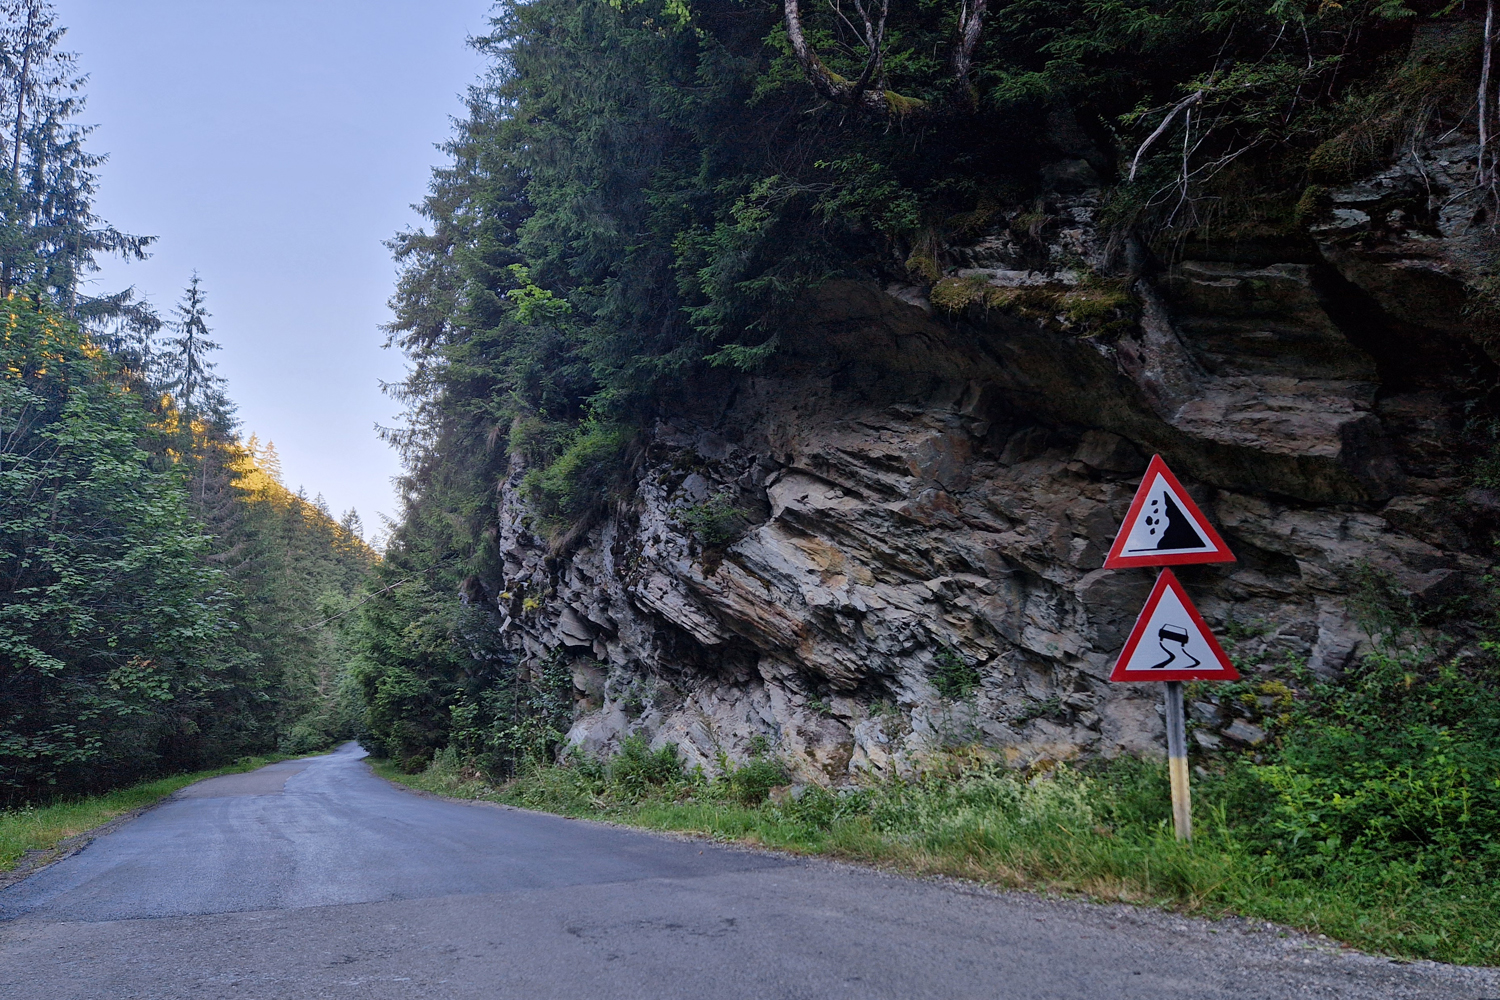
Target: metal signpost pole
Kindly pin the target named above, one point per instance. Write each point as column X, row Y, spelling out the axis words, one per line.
column 1182, row 802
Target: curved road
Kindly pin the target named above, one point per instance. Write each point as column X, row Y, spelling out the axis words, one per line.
column 314, row 878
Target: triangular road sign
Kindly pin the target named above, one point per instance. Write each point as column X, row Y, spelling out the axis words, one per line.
column 1164, row 527
column 1171, row 642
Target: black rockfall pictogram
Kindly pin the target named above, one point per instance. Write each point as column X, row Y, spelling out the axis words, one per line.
column 1164, row 527
column 1169, row 528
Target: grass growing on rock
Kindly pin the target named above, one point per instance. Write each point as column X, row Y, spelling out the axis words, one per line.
column 1103, row 833
column 41, row 828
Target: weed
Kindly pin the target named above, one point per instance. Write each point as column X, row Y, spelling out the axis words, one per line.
column 954, row 677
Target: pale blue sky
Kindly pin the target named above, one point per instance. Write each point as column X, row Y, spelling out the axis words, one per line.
column 272, row 145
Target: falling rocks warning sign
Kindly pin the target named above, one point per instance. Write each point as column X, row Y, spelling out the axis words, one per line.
column 1164, row 527
column 1171, row 642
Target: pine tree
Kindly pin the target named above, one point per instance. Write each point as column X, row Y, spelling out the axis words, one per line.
column 49, row 234
column 127, row 327
column 193, row 381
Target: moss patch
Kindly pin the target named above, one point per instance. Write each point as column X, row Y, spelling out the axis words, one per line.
column 1095, row 309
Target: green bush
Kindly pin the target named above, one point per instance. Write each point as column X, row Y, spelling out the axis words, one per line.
column 637, row 769
column 750, row 784
column 579, row 479
column 1398, row 764
column 714, row 521
column 954, row 676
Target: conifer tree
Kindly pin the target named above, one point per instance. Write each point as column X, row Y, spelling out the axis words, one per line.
column 128, row 327
column 49, row 234
column 193, row 381
column 270, row 460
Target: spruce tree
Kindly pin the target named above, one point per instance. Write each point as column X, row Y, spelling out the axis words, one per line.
column 192, row 379
column 49, row 234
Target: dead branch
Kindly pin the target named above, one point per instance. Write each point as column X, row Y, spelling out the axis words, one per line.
column 1486, row 161
column 970, row 23
column 869, row 92
column 873, row 37
column 1182, row 105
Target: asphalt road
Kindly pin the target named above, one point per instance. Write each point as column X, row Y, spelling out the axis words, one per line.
column 314, row 878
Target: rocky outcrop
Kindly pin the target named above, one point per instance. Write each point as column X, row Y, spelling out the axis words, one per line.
column 891, row 542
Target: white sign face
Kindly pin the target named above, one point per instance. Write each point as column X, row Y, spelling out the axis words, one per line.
column 1171, row 641
column 1166, row 526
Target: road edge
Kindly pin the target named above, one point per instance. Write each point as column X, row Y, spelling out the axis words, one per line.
column 35, row 860
column 1147, row 911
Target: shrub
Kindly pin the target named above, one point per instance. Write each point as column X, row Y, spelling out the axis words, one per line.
column 578, row 480
column 637, row 769
column 714, row 521
column 750, row 784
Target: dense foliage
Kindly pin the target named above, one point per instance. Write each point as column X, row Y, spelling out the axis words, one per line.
column 108, row 613
column 643, row 189
column 165, row 602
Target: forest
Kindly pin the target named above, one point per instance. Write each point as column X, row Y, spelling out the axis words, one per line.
column 167, row 604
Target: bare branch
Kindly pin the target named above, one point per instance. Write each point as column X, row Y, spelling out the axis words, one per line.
column 1166, row 122
column 1486, row 160
column 870, row 91
column 827, row 83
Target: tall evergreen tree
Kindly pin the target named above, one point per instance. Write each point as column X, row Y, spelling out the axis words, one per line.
column 191, row 375
column 128, row 327
column 49, row 233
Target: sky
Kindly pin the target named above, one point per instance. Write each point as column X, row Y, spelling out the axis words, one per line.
column 273, row 146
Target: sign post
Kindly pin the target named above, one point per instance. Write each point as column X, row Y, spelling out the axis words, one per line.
column 1170, row 641
column 1182, row 795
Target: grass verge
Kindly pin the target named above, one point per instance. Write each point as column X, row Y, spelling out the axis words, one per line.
column 1104, row 836
column 41, row 828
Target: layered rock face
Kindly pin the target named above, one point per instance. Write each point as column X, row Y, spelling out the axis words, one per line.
column 891, row 543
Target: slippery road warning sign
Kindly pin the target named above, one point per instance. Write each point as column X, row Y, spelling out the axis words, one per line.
column 1171, row 642
column 1164, row 527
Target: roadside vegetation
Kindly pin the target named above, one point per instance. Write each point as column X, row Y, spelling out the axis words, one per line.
column 1371, row 819
column 41, row 828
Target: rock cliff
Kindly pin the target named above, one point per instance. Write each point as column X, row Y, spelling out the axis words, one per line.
column 890, row 541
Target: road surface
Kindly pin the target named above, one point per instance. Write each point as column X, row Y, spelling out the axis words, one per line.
column 314, row 878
